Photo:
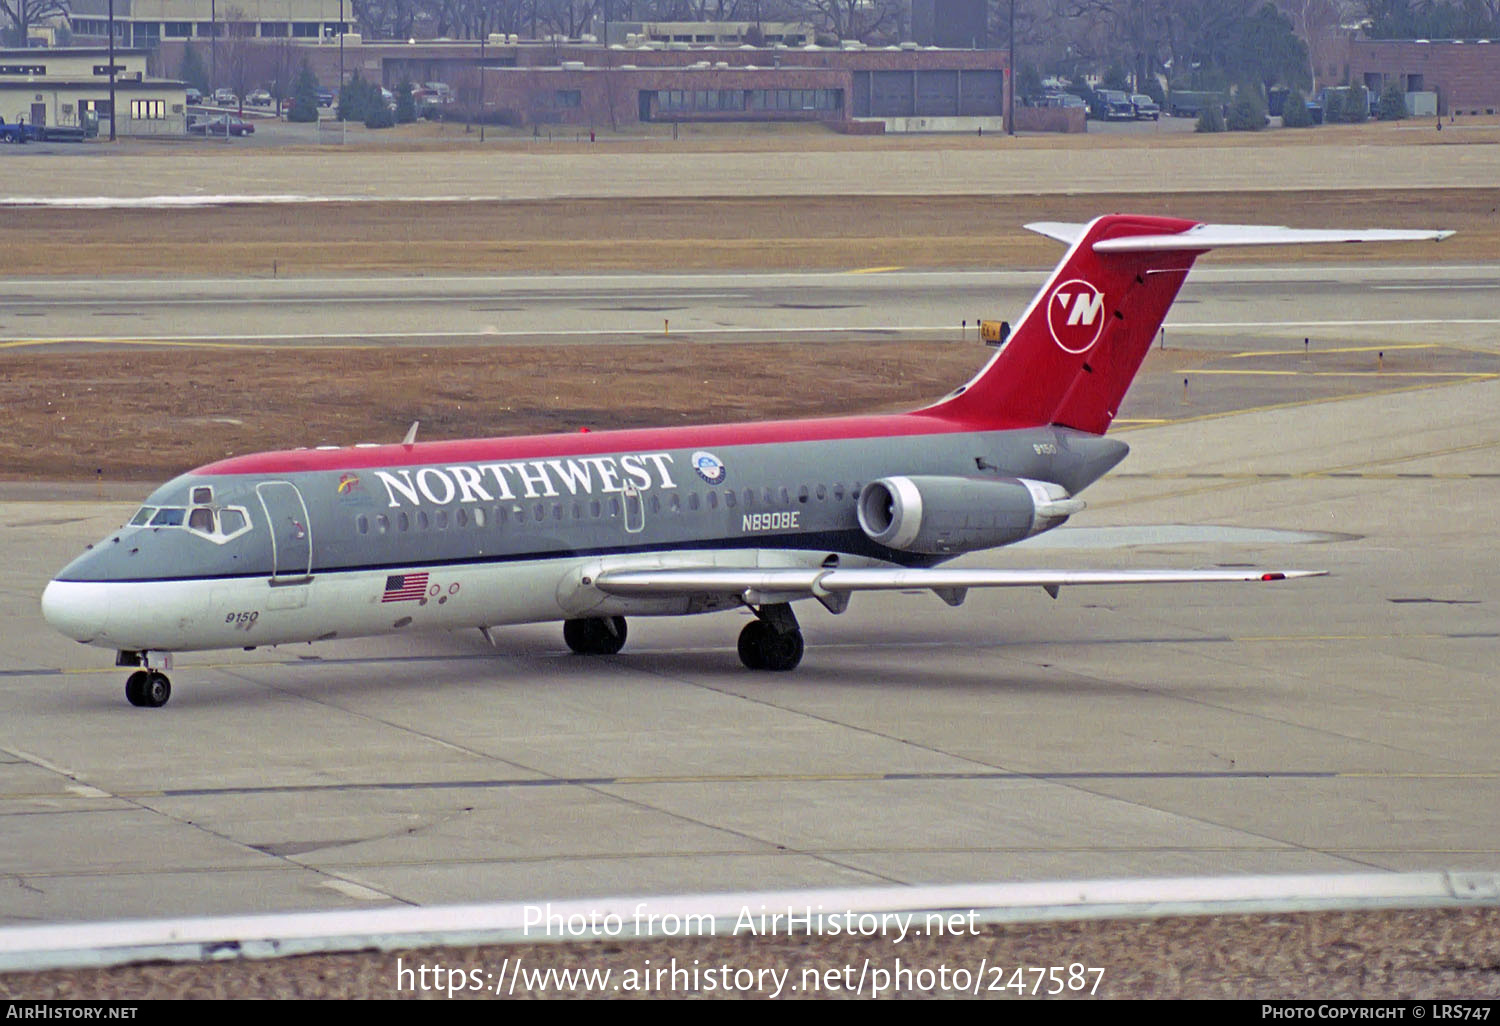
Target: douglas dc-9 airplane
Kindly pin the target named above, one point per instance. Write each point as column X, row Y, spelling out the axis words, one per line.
column 314, row 544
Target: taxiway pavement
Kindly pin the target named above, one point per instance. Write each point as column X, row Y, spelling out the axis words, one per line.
column 1337, row 723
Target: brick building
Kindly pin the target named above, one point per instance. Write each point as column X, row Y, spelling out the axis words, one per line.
column 585, row 84
column 1465, row 74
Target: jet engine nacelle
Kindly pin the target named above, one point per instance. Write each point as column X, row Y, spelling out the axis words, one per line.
column 946, row 515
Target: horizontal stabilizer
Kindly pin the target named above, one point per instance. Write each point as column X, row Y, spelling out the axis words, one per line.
column 820, row 581
column 1215, row 236
column 1062, row 231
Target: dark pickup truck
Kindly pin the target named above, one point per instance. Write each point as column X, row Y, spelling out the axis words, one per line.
column 20, row 132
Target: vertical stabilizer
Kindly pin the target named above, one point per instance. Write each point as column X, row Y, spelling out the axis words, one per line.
column 1077, row 347
column 1079, row 344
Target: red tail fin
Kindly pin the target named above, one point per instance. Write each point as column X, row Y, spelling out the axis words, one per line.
column 1079, row 344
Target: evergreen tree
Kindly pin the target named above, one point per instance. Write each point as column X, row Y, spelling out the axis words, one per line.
column 1392, row 103
column 1248, row 112
column 406, row 108
column 1294, row 112
column 1211, row 120
column 360, row 100
column 304, row 96
column 192, row 70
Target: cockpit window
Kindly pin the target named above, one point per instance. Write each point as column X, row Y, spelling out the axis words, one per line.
column 231, row 521
column 203, row 495
column 171, row 516
column 142, row 516
column 201, row 519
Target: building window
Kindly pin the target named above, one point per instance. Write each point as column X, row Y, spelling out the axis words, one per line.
column 274, row 29
column 569, row 98
column 305, row 29
column 148, row 110
column 177, row 29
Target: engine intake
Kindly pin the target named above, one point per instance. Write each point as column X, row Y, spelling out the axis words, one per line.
column 949, row 515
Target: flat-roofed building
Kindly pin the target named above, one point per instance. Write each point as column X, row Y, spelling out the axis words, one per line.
column 70, row 88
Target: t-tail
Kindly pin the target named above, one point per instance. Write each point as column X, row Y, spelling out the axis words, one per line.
column 1078, row 346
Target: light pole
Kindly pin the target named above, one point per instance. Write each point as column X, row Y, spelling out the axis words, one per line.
column 482, row 36
column 341, row 60
column 213, row 45
column 111, row 70
column 1010, row 59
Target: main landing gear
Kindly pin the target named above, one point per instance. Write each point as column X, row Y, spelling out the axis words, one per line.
column 773, row 640
column 597, row 635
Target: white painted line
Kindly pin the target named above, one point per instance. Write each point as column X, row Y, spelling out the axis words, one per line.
column 357, row 891
column 1334, row 324
column 73, row 945
column 1435, row 288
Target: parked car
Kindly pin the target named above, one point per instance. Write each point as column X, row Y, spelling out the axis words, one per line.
column 194, row 97
column 442, row 92
column 1115, row 105
column 219, row 125
column 1145, row 107
column 224, row 97
column 258, row 98
column 325, row 98
column 1065, row 100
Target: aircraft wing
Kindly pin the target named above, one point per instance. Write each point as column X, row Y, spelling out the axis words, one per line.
column 756, row 585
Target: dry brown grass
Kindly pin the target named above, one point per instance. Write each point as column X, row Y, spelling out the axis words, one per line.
column 146, row 414
column 688, row 234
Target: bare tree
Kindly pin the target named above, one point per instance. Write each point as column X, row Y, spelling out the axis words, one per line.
column 850, row 19
column 23, row 14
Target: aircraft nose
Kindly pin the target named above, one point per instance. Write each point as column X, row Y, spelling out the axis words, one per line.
column 77, row 609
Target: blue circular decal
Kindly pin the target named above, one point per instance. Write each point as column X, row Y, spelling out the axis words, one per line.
column 709, row 467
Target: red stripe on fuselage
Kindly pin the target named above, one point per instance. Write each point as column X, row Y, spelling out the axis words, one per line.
column 522, row 447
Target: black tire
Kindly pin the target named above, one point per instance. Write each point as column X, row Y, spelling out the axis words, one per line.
column 752, row 645
column 135, row 688
column 762, row 647
column 598, row 635
column 156, row 690
column 782, row 651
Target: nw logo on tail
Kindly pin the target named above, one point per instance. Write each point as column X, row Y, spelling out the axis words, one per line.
column 1075, row 313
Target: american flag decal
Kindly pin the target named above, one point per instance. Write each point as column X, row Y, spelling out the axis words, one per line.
column 404, row 587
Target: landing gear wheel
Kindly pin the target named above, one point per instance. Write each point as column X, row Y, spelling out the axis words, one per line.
column 763, row 647
column 135, row 687
column 598, row 635
column 752, row 642
column 148, row 688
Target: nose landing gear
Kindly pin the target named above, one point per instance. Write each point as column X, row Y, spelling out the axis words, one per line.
column 146, row 687
column 149, row 688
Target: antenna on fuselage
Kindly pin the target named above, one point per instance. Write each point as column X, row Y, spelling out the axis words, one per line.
column 411, row 433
